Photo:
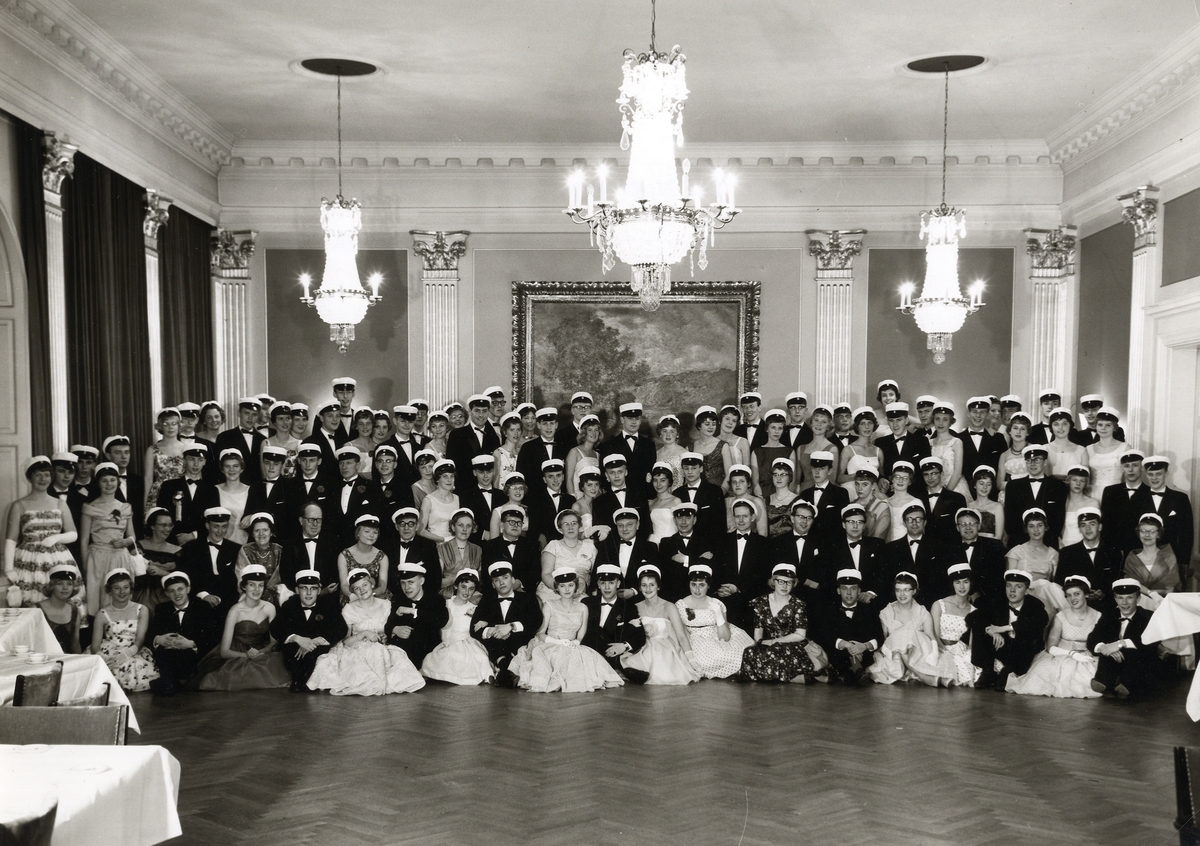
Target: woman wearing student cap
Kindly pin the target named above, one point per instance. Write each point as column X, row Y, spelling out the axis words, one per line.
column 573, row 551
column 583, row 456
column 61, row 615
column 1155, row 567
column 671, row 452
column 263, row 551
column 717, row 645
column 164, row 459
column 1079, row 478
column 666, row 657
column 909, row 650
column 779, row 503
column 364, row 556
column 39, row 529
column 1063, row 452
column 459, row 658
column 247, row 657
column 763, row 456
column 107, row 534
column 1038, row 560
column 781, row 645
column 1066, row 667
column 1104, row 456
column 950, row 627
column 119, row 634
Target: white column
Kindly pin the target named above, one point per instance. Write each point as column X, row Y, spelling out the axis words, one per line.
column 1141, row 211
column 1053, row 293
column 440, row 252
column 156, row 217
column 59, row 164
column 231, row 252
column 835, row 316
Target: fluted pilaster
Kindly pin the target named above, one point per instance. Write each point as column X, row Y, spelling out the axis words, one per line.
column 440, row 252
column 835, row 316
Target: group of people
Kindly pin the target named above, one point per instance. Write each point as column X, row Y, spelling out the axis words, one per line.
column 523, row 547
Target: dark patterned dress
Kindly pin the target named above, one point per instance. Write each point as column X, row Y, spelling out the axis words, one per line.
column 779, row 661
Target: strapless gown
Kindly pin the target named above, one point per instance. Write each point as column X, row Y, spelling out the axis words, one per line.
column 365, row 668
column 1065, row 676
column 459, row 658
column 263, row 671
column 556, row 661
column 660, row 657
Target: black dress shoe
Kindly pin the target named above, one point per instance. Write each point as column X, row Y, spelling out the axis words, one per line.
column 1001, row 682
column 162, row 687
column 506, row 678
column 636, row 676
column 985, row 681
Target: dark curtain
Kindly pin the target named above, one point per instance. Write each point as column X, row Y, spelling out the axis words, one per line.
column 32, row 224
column 187, row 311
column 108, row 351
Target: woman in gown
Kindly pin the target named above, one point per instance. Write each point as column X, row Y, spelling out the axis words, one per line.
column 556, row 660
column 779, row 505
column 119, row 633
column 739, row 488
column 362, row 663
column 583, row 455
column 161, row 556
column 862, row 447
column 1013, row 461
column 38, row 531
column 717, row 456
column 280, row 415
column 439, row 427
column 902, row 476
column 1153, row 566
column 459, row 658
column 246, row 658
column 364, row 440
column 262, row 551
column 779, row 652
column 662, row 479
column 909, row 650
column 572, row 551
column 527, row 411
column 1104, row 456
column 1079, row 479
column 671, row 452
column 589, row 488
column 991, row 512
column 515, row 489
column 505, row 455
column 821, row 422
column 1038, row 560
column 665, row 656
column 364, row 556
column 739, row 448
column 866, row 493
column 1063, row 452
column 1066, row 667
column 459, row 554
column 107, row 534
column 299, row 423
column 63, row 617
column 234, row 494
column 212, row 421
column 438, row 506
column 164, row 459
column 425, row 460
column 716, row 645
column 950, row 628
column 763, row 457
column 948, row 448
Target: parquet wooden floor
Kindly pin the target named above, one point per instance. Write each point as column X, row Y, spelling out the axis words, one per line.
column 714, row 763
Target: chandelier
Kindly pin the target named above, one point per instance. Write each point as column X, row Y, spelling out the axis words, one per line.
column 341, row 301
column 655, row 220
column 941, row 309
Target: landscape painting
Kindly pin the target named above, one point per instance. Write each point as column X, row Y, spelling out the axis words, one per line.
column 700, row 346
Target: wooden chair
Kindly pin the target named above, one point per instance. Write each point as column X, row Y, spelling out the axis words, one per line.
column 1187, row 768
column 39, row 689
column 100, row 698
column 87, row 725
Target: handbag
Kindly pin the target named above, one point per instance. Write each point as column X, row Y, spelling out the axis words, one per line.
column 817, row 655
column 137, row 564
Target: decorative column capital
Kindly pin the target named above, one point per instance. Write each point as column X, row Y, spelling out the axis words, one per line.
column 157, row 213
column 59, row 162
column 830, row 251
column 1141, row 210
column 1052, row 251
column 231, row 253
column 442, row 252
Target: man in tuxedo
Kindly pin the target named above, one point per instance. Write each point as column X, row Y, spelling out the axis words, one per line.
column 407, row 547
column 186, row 497
column 611, row 629
column 751, row 427
column 917, row 553
column 180, row 633
column 627, row 550
column 1011, row 631
column 741, row 566
column 680, row 551
column 899, row 444
column 1127, row 666
column 581, row 407
column 797, row 432
column 405, row 443
column 476, row 438
column 828, row 498
column 418, row 615
column 307, row 626
column 265, row 420
column 543, row 448
column 482, row 496
column 1049, row 399
column 271, row 493
column 850, row 632
column 62, row 482
column 637, row 450
column 1035, row 490
column 619, row 495
column 497, row 406
column 546, row 502
column 1010, row 404
column 814, row 580
column 344, row 389
column 325, row 437
column 940, row 504
column 313, row 550
column 351, row 497
column 854, row 550
column 985, row 556
column 521, row 553
column 393, row 493
column 209, row 562
column 1094, row 558
column 131, row 487
column 310, row 484
column 1174, row 507
column 924, row 405
column 707, row 497
column 504, row 621
column 1117, row 507
column 245, row 438
column 979, row 446
column 843, row 425
column 422, row 419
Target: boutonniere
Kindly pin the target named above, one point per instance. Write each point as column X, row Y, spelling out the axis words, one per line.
column 320, row 489
column 360, row 489
column 318, row 617
column 387, row 492
column 619, row 620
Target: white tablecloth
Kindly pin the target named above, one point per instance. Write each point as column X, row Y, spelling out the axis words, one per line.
column 106, row 794
column 83, row 675
column 1178, row 615
column 27, row 626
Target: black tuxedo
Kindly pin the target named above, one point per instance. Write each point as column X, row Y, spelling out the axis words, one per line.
column 188, row 510
column 617, row 628
column 542, row 512
column 914, row 447
column 526, row 560
column 608, row 551
column 196, row 561
column 675, row 575
column 756, row 438
column 1178, row 530
column 345, row 431
column 474, row 499
column 939, row 518
column 406, row 469
column 393, row 494
column 1140, row 667
column 201, row 624
column 640, row 460
column 463, row 444
column 991, row 446
column 834, row 624
column 523, row 608
column 1101, row 568
column 750, row 577
column 295, row 557
column 929, row 566
column 1018, row 498
column 325, row 620
column 710, row 502
column 828, row 522
column 987, row 569
column 530, row 458
column 607, row 504
column 1117, row 511
column 431, row 615
column 419, row 550
column 797, row 436
column 811, row 566
column 1026, row 640
column 871, row 563
column 276, row 503
column 365, row 498
column 329, row 448
column 234, row 439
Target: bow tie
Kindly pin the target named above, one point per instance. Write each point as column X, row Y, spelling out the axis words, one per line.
column 627, row 543
column 405, row 544
column 508, row 598
column 609, row 604
column 123, row 476
column 215, row 545
column 308, row 608
column 853, row 544
column 191, row 481
column 975, row 432
column 850, row 609
column 618, row 490
column 742, row 536
column 913, row 541
column 347, row 414
column 249, row 431
column 968, row 545
column 310, row 540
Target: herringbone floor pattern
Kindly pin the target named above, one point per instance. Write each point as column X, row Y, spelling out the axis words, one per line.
column 714, row 763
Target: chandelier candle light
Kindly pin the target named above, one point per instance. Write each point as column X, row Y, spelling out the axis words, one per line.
column 656, row 219
column 941, row 309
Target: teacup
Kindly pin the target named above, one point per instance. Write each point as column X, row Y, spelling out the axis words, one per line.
column 37, row 657
column 21, row 649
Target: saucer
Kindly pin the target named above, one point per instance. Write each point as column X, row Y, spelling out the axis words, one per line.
column 42, row 661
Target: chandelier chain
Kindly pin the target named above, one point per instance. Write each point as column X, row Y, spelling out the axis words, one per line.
column 653, row 20
column 339, row 130
column 945, row 128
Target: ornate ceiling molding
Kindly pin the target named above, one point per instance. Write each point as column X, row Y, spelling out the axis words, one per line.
column 57, row 33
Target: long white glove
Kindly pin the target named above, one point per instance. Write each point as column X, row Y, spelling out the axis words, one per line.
column 1059, row 651
column 10, row 560
column 62, row 537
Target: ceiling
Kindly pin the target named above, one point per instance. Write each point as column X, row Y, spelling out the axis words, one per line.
column 547, row 71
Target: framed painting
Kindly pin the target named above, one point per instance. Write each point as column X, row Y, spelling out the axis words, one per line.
column 699, row 348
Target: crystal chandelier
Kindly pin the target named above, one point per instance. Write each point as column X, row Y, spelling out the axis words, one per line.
column 341, row 301
column 655, row 220
column 941, row 309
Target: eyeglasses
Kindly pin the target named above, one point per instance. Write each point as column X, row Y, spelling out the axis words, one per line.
column 312, row 519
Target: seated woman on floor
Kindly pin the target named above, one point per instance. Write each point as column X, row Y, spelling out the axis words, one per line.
column 665, row 657
column 119, row 634
column 1066, row 667
column 951, row 630
column 716, row 645
column 246, row 658
column 909, row 650
column 459, row 658
column 781, row 650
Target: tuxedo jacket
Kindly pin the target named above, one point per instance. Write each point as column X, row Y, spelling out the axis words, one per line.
column 295, row 558
column 755, row 570
column 939, row 518
column 833, row 624
column 329, row 447
column 462, row 445
column 1178, row 522
column 1117, row 514
column 710, row 502
column 991, row 446
column 543, row 510
column 419, row 550
column 828, row 523
column 608, row 551
column 568, row 433
column 674, row 574
column 618, row 628
column 365, row 498
column 987, row 568
column 929, row 566
column 811, row 566
column 393, row 494
column 756, row 438
column 607, row 504
column 201, row 623
column 1027, row 639
column 188, row 511
column 1108, row 630
column 871, row 563
column 345, row 431
column 797, row 436
column 640, row 460
column 324, row 621
column 1101, row 568
column 406, row 470
column 525, row 558
column 474, row 499
column 195, row 560
column 431, row 616
column 234, row 439
column 1018, row 498
column 914, row 447
column 530, row 458
column 523, row 609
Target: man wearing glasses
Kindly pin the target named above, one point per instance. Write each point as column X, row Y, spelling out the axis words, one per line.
column 313, row 550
